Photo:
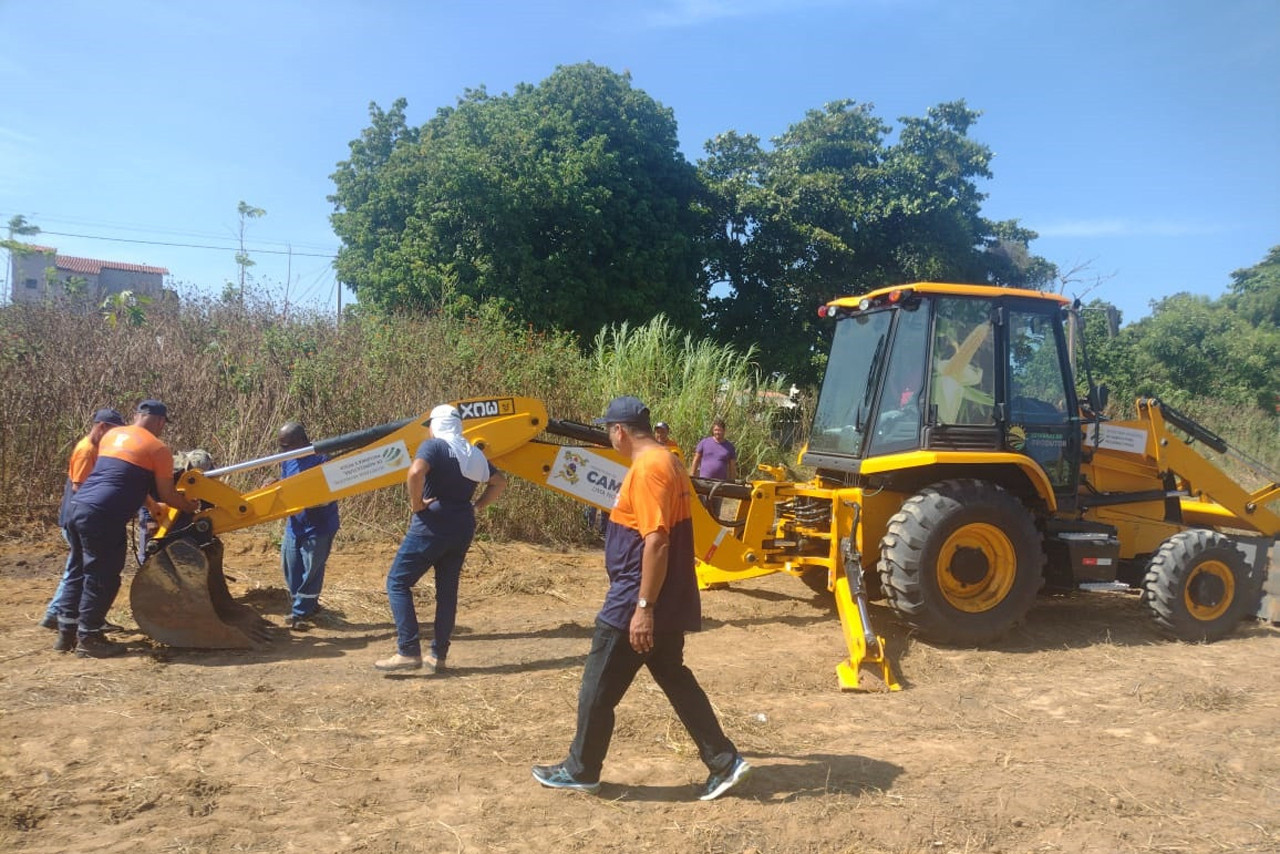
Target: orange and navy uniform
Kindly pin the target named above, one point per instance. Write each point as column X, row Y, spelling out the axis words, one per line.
column 125, row 473
column 655, row 495
column 83, row 456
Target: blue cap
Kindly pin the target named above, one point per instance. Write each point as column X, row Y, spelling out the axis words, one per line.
column 625, row 410
column 153, row 407
column 108, row 416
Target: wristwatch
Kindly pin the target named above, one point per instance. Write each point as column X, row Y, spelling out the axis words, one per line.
column 644, row 603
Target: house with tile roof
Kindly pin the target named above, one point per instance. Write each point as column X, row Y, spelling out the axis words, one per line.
column 41, row 274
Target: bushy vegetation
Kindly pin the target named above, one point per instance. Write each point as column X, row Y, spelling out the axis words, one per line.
column 233, row 371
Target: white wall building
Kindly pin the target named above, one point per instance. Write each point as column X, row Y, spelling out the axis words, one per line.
column 40, row 274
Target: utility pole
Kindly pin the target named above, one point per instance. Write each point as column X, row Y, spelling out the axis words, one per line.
column 288, row 277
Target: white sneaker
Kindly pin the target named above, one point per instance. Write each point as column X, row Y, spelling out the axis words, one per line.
column 399, row 662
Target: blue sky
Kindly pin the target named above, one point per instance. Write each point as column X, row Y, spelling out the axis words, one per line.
column 1140, row 139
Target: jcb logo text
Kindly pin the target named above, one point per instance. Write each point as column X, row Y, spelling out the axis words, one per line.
column 486, row 408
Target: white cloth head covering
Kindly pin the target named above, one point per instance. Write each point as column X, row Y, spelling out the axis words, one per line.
column 446, row 424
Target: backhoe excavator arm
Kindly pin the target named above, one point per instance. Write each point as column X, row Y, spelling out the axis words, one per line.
column 180, row 597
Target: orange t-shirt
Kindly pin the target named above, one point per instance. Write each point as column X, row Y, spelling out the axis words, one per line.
column 656, row 495
column 83, row 456
column 128, row 459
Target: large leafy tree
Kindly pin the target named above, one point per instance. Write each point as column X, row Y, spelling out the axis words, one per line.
column 834, row 208
column 1192, row 346
column 568, row 203
column 1255, row 291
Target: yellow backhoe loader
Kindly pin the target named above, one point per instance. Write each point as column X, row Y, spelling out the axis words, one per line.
column 956, row 472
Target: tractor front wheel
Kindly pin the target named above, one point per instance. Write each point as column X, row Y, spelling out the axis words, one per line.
column 962, row 562
column 1198, row 586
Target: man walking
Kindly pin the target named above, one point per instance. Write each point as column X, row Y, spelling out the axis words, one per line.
column 132, row 464
column 308, row 536
column 83, row 456
column 652, row 601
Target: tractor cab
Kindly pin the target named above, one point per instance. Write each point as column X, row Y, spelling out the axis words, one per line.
column 947, row 368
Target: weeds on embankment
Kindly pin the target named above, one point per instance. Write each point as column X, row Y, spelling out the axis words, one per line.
column 232, row 371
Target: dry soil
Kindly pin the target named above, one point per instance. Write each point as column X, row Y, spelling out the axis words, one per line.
column 1083, row 731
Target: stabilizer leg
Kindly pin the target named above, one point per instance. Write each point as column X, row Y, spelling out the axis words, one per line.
column 866, row 648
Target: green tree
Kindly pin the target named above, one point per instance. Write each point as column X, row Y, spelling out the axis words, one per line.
column 243, row 261
column 125, row 308
column 568, row 203
column 1192, row 346
column 1255, row 291
column 18, row 227
column 833, row 208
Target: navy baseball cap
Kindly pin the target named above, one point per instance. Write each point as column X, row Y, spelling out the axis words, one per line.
column 108, row 416
column 153, row 407
column 625, row 410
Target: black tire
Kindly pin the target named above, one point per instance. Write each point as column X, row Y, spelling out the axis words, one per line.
column 1198, row 587
column 962, row 562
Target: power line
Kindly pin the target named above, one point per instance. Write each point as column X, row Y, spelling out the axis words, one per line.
column 191, row 245
column 115, row 226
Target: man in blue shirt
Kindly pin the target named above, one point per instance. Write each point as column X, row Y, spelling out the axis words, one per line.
column 308, row 536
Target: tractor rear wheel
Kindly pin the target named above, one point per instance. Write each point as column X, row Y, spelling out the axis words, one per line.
column 962, row 562
column 1198, row 586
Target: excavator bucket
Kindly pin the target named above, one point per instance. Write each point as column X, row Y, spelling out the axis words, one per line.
column 179, row 597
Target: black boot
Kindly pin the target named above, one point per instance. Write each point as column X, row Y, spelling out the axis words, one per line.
column 66, row 640
column 94, row 645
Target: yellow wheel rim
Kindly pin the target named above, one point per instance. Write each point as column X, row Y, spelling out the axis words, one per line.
column 1209, row 591
column 976, row 568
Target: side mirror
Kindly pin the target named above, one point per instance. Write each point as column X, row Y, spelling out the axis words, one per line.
column 1099, row 395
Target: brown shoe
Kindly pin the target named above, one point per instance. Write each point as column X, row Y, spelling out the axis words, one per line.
column 399, row 662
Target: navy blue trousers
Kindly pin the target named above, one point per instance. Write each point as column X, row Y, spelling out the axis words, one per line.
column 611, row 666
column 92, row 578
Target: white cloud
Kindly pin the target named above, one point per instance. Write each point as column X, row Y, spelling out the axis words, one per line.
column 1122, row 227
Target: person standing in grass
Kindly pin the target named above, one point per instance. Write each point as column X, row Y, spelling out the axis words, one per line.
column 652, row 601
column 715, row 457
column 442, row 479
column 662, row 432
column 308, row 535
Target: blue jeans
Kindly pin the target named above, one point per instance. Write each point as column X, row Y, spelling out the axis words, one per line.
column 611, row 666
column 92, row 579
column 51, row 610
column 417, row 554
column 302, row 561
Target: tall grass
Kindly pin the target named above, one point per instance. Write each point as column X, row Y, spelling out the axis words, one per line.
column 687, row 382
column 233, row 372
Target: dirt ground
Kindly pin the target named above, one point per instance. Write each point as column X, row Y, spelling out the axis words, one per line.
column 1082, row 732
